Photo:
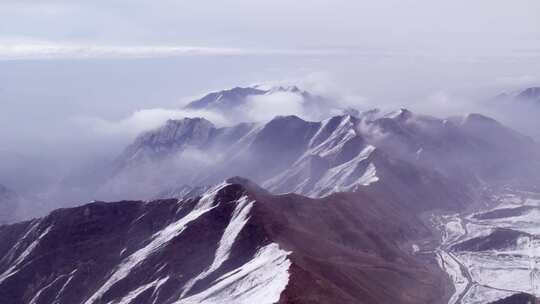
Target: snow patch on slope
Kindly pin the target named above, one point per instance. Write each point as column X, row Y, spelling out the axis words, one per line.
column 36, row 297
column 12, row 270
column 370, row 176
column 162, row 237
column 135, row 293
column 238, row 221
column 335, row 141
column 261, row 281
column 66, row 284
column 343, row 177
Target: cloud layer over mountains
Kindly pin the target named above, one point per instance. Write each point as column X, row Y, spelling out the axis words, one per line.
column 224, row 109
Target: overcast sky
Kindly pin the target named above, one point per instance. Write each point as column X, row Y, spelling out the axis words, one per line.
column 64, row 63
column 246, row 25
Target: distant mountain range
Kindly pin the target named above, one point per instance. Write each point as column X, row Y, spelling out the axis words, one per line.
column 531, row 95
column 342, row 153
column 325, row 211
column 314, row 158
column 240, row 97
column 258, row 102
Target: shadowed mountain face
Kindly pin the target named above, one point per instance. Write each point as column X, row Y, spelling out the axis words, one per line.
column 234, row 244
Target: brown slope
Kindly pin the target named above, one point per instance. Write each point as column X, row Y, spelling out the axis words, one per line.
column 350, row 248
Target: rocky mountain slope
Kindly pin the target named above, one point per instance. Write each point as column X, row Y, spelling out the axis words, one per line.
column 352, row 229
column 236, row 243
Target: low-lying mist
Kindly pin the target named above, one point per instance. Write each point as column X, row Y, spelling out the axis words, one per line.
column 60, row 118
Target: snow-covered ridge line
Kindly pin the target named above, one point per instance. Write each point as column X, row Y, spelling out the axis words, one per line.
column 341, row 178
column 261, row 279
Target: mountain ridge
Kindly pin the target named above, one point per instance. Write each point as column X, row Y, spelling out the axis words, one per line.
column 290, row 154
column 237, row 233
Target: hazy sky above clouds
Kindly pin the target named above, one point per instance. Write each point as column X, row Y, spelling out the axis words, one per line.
column 245, row 25
column 66, row 63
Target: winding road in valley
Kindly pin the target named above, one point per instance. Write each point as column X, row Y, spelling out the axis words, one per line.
column 454, row 229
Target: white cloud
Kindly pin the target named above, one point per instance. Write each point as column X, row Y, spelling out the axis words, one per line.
column 144, row 120
column 52, row 50
column 335, row 95
column 257, row 108
column 444, row 104
column 59, row 50
column 325, row 84
column 266, row 107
